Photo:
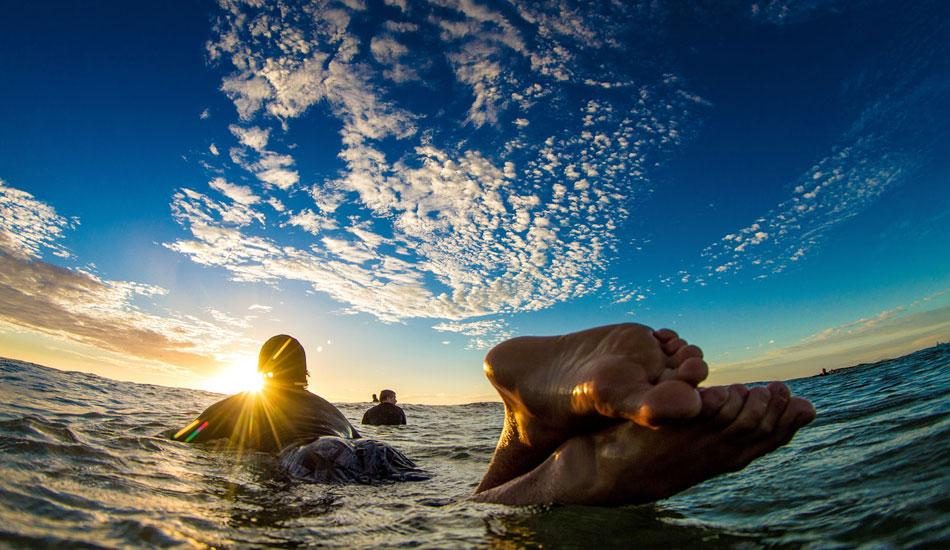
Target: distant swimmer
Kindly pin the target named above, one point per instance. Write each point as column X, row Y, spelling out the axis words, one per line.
column 313, row 438
column 375, row 399
column 387, row 413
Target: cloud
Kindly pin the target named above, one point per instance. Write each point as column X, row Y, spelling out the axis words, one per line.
column 484, row 334
column 889, row 334
column 311, row 222
column 424, row 220
column 472, row 328
column 781, row 12
column 389, row 52
column 237, row 193
column 28, row 225
column 78, row 306
column 253, row 137
column 891, row 137
column 869, row 323
column 833, row 191
column 387, row 49
column 225, row 319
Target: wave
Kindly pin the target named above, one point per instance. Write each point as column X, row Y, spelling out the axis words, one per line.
column 83, row 468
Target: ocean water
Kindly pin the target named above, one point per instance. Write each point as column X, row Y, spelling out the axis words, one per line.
column 82, row 468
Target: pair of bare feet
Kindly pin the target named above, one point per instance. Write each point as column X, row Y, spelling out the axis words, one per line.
column 615, row 415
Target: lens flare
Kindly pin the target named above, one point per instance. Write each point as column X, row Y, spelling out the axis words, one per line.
column 239, row 377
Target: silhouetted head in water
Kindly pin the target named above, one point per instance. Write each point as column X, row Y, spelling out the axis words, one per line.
column 282, row 362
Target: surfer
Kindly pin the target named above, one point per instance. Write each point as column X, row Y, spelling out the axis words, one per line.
column 387, row 413
column 312, row 437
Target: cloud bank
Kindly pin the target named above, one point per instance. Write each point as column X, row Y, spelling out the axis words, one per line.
column 488, row 154
column 894, row 133
column 889, row 334
column 505, row 197
column 79, row 306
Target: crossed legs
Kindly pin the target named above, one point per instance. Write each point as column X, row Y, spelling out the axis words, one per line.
column 615, row 415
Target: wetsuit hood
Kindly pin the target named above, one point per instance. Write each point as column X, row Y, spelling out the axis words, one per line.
column 282, row 361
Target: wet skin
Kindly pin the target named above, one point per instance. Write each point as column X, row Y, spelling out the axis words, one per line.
column 614, row 415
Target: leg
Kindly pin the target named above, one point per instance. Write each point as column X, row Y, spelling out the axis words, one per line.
column 631, row 464
column 557, row 387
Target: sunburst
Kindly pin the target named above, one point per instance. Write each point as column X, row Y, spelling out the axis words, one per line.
column 240, row 376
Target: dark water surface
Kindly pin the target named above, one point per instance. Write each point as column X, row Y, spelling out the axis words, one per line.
column 82, row 468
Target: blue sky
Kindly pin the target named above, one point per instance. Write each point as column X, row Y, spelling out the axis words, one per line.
column 403, row 184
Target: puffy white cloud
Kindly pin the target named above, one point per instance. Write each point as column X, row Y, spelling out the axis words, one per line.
column 420, row 222
column 248, row 93
column 237, row 193
column 472, row 328
column 27, row 225
column 483, row 334
column 311, row 222
column 849, row 181
column 387, row 49
column 281, row 177
column 887, row 142
column 253, row 137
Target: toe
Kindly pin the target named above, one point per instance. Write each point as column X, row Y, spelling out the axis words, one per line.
column 753, row 410
column 686, row 352
column 714, row 399
column 737, row 394
column 672, row 346
column 666, row 402
column 798, row 413
column 692, row 371
column 804, row 412
column 778, row 401
column 665, row 335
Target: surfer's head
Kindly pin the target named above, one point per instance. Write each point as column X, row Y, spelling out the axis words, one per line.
column 282, row 361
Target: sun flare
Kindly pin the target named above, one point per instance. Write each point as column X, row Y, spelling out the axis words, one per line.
column 239, row 377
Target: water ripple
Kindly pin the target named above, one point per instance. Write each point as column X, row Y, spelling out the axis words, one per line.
column 84, row 468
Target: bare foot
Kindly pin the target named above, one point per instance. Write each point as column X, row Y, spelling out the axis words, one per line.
column 631, row 464
column 557, row 387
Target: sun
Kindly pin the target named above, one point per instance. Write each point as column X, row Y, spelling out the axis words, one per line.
column 240, row 376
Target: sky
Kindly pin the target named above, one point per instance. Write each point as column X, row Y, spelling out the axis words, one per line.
column 403, row 184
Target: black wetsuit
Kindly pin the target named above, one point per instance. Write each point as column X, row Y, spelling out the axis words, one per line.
column 269, row 420
column 384, row 414
column 313, row 438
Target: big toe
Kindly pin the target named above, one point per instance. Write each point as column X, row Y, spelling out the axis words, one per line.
column 801, row 412
column 669, row 401
column 692, row 371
